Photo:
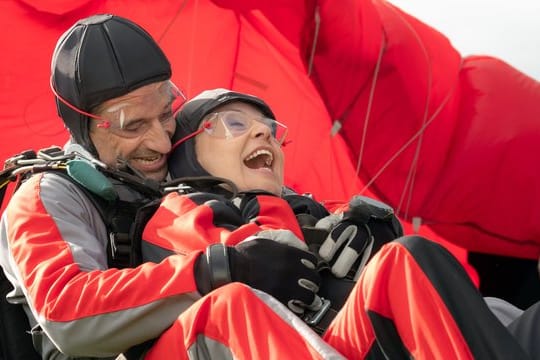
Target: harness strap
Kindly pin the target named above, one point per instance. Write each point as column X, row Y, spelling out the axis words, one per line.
column 124, row 221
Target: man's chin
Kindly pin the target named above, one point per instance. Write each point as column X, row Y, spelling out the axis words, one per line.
column 156, row 171
column 158, row 175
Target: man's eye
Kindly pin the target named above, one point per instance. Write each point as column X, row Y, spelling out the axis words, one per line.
column 166, row 116
column 133, row 127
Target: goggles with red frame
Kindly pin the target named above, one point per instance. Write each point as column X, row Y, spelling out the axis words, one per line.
column 232, row 123
column 128, row 118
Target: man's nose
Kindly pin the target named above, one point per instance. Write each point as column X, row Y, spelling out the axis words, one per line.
column 158, row 137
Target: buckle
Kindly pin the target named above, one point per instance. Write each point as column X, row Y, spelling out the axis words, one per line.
column 53, row 153
column 28, row 156
column 313, row 318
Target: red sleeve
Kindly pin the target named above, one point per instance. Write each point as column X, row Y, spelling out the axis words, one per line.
column 183, row 224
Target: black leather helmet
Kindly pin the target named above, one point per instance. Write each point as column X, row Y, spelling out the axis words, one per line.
column 99, row 58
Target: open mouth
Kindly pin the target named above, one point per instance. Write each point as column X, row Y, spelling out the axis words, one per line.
column 261, row 158
column 147, row 159
column 149, row 162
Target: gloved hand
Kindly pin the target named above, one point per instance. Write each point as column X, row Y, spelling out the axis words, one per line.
column 277, row 266
column 357, row 234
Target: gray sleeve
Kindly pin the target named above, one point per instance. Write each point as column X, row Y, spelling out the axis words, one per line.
column 78, row 221
column 503, row 310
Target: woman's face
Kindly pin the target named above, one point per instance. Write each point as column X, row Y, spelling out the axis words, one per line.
column 252, row 160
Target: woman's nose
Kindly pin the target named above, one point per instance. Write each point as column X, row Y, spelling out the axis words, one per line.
column 261, row 130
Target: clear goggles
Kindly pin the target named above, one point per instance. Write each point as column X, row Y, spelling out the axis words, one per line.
column 230, row 124
column 133, row 117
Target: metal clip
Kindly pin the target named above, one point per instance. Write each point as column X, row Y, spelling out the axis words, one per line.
column 112, row 241
column 15, row 160
column 180, row 188
column 53, row 153
column 314, row 318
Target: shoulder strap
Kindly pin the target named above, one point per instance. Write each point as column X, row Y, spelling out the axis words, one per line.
column 124, row 219
column 125, row 223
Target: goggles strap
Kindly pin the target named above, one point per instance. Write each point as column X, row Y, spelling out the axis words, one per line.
column 205, row 126
column 105, row 123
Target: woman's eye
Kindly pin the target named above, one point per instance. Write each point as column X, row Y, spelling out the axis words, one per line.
column 235, row 124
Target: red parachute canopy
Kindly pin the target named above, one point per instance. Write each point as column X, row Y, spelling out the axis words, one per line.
column 376, row 101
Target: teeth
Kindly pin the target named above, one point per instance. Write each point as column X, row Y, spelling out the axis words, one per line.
column 269, row 159
column 147, row 160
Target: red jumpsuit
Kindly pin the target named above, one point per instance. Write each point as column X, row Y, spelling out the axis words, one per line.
column 412, row 300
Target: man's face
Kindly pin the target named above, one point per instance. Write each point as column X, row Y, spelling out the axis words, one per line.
column 252, row 161
column 141, row 127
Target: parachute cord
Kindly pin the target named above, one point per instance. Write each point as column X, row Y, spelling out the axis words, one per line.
column 413, row 138
column 370, row 103
column 315, row 39
column 408, row 187
column 414, row 164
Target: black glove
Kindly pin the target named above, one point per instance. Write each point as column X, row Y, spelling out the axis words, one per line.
column 304, row 204
column 357, row 234
column 281, row 270
column 307, row 210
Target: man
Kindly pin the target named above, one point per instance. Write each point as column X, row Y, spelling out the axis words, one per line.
column 114, row 94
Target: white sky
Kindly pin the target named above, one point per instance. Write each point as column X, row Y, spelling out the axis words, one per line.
column 509, row 30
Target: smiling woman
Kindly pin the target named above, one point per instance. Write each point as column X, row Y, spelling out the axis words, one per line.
column 234, row 140
column 252, row 159
column 230, row 135
column 258, row 236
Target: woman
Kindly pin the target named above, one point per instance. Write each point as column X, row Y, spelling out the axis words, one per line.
column 413, row 299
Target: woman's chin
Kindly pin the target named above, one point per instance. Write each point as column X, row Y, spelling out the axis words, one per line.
column 275, row 189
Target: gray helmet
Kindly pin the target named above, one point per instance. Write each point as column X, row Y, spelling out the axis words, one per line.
column 183, row 160
column 99, row 58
